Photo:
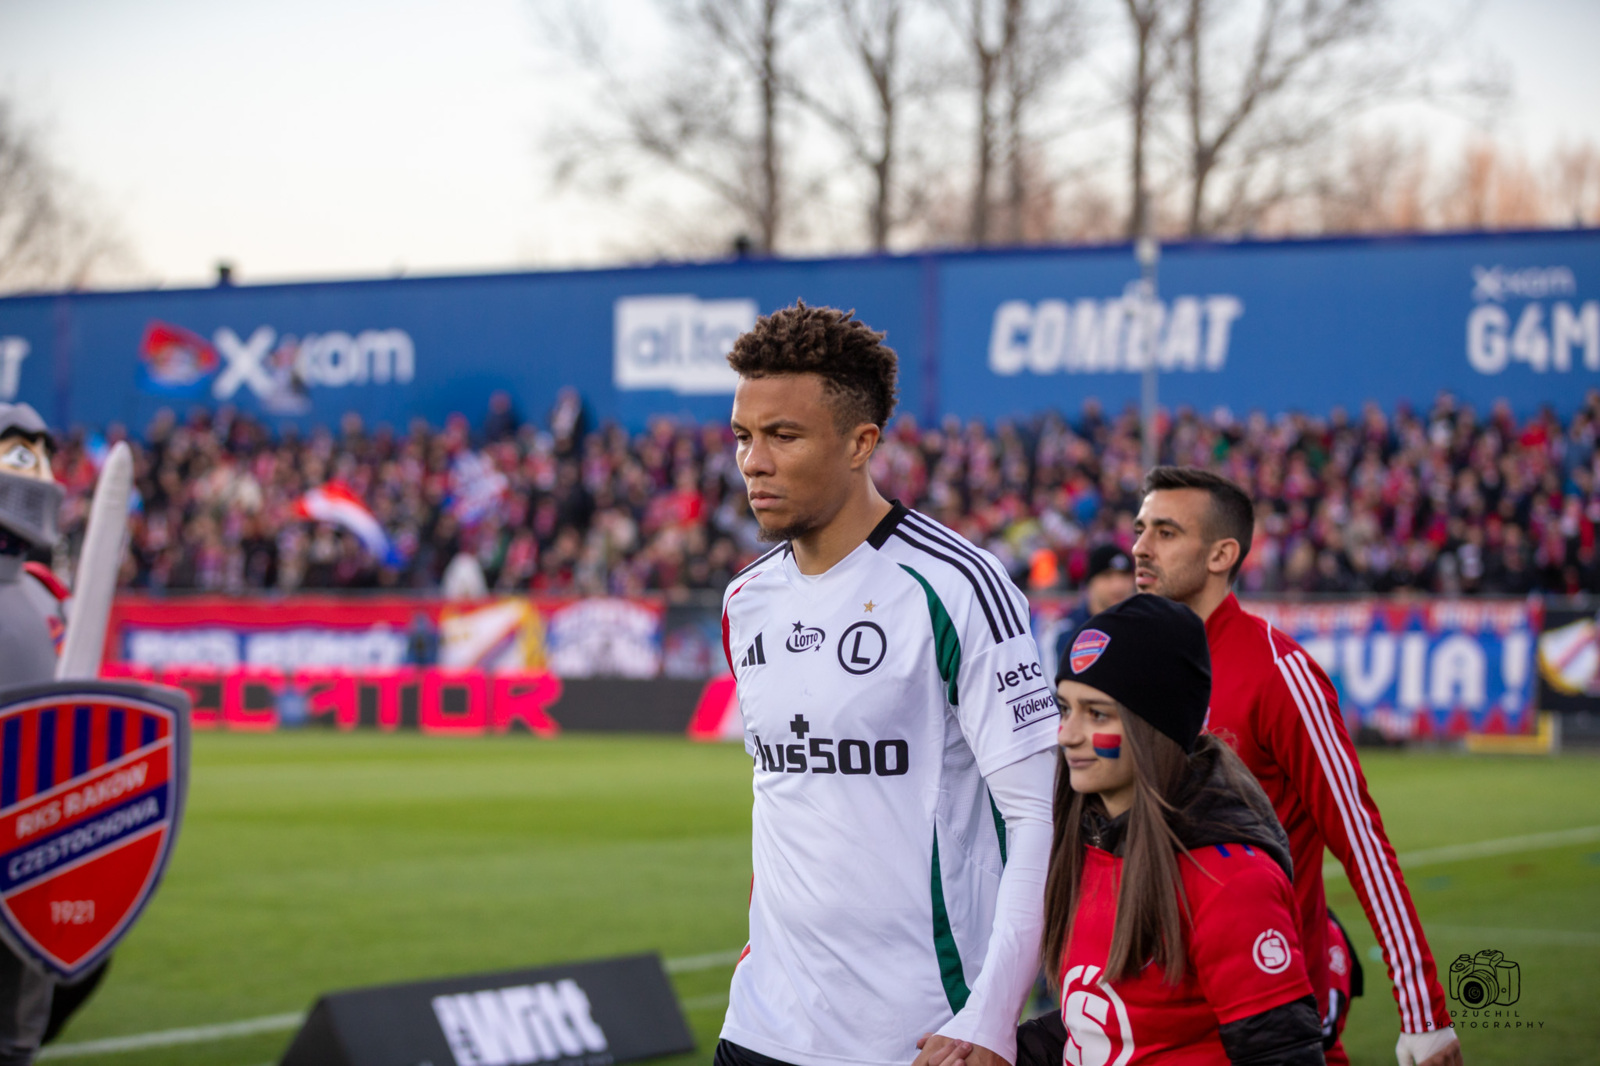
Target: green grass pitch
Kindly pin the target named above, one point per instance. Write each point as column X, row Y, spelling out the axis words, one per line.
column 312, row 862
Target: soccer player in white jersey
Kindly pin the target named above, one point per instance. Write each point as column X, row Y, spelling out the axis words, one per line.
column 900, row 727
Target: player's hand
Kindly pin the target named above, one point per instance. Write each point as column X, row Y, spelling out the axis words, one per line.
column 942, row 1051
column 1438, row 1048
column 936, row 1050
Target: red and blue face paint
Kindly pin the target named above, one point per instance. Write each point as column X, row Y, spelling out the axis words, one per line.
column 1106, row 745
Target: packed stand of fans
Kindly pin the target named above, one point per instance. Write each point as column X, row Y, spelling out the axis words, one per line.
column 1449, row 500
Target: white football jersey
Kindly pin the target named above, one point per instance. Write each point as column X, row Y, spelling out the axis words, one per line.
column 875, row 698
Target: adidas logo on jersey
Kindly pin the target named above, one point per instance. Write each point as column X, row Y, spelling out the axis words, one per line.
column 756, row 655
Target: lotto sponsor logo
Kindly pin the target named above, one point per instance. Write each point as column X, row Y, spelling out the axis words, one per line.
column 1086, row 650
column 805, row 638
column 538, row 1023
column 1271, row 952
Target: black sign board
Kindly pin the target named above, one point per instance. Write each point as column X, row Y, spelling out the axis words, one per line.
column 580, row 1014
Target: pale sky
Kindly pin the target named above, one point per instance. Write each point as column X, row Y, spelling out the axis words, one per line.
column 358, row 138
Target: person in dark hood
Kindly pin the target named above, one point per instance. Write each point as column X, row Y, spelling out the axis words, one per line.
column 1169, row 913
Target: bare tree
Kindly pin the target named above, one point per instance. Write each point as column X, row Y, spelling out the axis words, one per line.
column 1376, row 184
column 1044, row 39
column 1147, row 22
column 1492, row 189
column 1261, row 82
column 716, row 118
column 47, row 237
column 1575, row 181
column 870, row 128
column 1016, row 51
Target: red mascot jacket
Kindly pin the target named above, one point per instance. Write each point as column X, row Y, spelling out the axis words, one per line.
column 1274, row 705
column 1244, row 958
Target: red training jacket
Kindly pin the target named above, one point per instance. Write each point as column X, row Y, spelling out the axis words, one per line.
column 1274, row 705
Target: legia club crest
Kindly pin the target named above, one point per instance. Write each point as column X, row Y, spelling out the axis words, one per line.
column 92, row 782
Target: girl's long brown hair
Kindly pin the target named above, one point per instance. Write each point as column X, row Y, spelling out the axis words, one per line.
column 1149, row 925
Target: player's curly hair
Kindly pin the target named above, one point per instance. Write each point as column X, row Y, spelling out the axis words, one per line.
column 858, row 370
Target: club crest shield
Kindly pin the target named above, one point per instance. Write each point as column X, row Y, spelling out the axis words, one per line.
column 93, row 776
column 1088, row 647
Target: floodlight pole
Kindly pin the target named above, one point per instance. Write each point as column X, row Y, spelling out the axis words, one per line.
column 1148, row 252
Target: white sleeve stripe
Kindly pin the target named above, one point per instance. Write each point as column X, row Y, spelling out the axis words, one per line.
column 1409, row 961
column 1394, row 923
column 995, row 580
column 1382, row 905
column 1385, row 894
column 1409, row 958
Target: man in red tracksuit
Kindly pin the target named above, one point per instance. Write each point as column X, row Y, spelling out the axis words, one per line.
column 1279, row 711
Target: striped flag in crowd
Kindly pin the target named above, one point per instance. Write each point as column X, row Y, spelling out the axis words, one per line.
column 334, row 503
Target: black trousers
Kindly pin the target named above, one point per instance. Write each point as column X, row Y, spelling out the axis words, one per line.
column 733, row 1055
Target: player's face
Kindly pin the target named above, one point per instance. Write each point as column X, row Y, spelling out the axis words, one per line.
column 24, row 457
column 1090, row 735
column 795, row 462
column 1169, row 556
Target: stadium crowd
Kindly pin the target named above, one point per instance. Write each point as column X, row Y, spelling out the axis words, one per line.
column 1447, row 500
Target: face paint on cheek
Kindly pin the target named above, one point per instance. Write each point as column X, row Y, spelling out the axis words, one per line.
column 1106, row 745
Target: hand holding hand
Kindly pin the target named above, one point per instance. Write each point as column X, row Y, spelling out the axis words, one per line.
column 939, row 1050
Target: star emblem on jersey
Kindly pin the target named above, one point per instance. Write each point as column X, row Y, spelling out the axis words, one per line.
column 1087, row 649
column 805, row 638
column 868, row 606
column 861, row 648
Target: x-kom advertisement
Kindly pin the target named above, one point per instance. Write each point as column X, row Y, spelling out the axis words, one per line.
column 1251, row 325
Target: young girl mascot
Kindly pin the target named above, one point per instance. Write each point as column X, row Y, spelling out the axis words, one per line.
column 1169, row 915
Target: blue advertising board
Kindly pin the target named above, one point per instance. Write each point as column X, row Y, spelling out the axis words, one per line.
column 1249, row 325
column 1407, row 668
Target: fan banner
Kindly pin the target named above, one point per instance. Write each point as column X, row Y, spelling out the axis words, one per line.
column 569, row 637
column 93, row 776
column 1406, row 668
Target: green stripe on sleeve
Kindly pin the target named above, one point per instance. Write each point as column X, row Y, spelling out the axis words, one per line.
column 947, row 645
column 944, row 941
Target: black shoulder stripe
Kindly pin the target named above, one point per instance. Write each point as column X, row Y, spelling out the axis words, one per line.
column 996, row 583
column 780, row 548
column 891, row 521
column 993, row 578
column 977, row 589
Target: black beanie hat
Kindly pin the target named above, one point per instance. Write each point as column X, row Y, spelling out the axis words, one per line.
column 1149, row 654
